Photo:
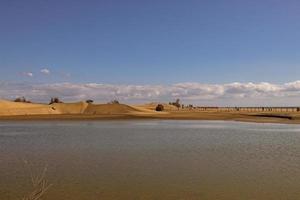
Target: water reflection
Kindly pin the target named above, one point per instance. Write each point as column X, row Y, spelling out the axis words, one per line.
column 153, row 159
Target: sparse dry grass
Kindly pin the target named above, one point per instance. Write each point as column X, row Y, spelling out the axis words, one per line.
column 39, row 182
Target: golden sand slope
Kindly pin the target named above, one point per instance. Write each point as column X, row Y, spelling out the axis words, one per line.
column 70, row 108
column 109, row 109
column 8, row 108
column 81, row 111
column 13, row 108
column 152, row 106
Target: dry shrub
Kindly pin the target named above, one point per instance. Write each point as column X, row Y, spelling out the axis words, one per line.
column 159, row 107
column 115, row 101
column 39, row 184
column 22, row 100
column 89, row 101
column 55, row 100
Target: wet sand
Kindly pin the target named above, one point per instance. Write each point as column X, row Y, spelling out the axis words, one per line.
column 258, row 117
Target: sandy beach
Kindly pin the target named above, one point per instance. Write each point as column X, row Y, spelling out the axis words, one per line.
column 84, row 111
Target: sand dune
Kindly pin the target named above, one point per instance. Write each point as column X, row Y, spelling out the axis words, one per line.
column 15, row 108
column 109, row 109
column 152, row 106
column 70, row 108
column 8, row 108
column 81, row 110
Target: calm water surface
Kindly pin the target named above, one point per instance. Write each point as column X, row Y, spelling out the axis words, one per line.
column 152, row 160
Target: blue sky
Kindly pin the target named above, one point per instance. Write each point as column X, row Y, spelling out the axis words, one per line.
column 159, row 42
column 150, row 42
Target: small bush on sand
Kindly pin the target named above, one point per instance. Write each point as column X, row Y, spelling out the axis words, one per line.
column 21, row 99
column 159, row 107
column 55, row 100
column 114, row 102
column 89, row 101
column 176, row 103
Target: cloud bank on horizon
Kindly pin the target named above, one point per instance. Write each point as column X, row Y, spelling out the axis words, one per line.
column 231, row 94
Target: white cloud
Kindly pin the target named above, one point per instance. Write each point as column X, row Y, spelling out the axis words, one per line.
column 28, row 74
column 201, row 94
column 45, row 71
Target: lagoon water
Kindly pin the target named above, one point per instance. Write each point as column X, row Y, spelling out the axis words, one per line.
column 152, row 159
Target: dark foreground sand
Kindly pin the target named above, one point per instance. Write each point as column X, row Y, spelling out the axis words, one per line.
column 285, row 118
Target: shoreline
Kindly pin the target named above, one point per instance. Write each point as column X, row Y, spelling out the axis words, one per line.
column 20, row 111
column 278, row 118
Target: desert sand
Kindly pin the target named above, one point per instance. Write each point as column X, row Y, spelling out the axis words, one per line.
column 85, row 111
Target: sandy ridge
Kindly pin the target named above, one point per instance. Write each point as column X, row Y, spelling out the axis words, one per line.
column 84, row 111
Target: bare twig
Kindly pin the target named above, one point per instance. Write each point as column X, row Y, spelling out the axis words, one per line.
column 39, row 183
